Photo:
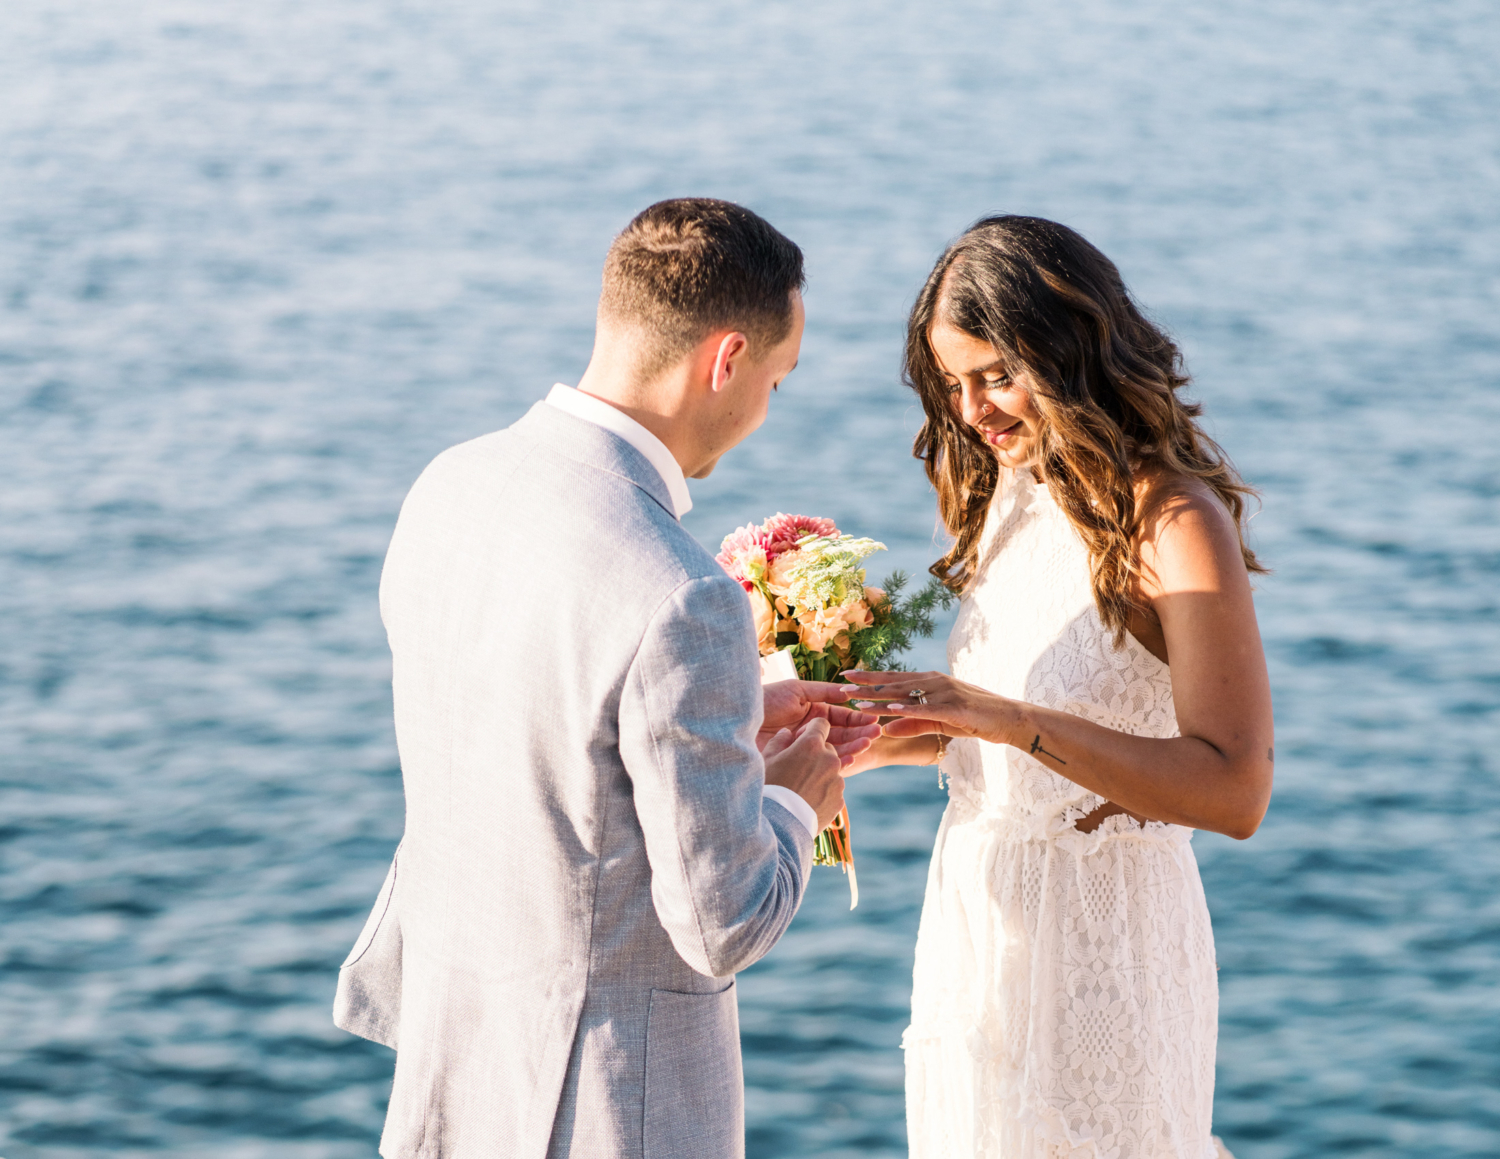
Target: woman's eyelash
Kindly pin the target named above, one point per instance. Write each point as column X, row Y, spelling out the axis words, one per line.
column 989, row 383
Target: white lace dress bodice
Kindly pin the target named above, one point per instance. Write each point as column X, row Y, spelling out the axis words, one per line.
column 1065, row 1001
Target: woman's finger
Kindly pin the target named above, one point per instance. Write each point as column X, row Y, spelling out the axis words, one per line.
column 928, row 710
column 839, row 733
column 900, row 701
column 899, row 685
column 914, row 726
column 910, row 726
column 876, row 699
column 823, row 692
column 876, row 676
column 847, row 752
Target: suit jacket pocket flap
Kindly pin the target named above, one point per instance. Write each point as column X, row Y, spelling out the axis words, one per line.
column 695, row 1087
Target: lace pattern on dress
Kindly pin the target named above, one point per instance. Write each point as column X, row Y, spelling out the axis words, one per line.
column 1065, row 1003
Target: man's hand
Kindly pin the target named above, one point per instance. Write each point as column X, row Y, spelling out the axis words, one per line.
column 792, row 704
column 808, row 765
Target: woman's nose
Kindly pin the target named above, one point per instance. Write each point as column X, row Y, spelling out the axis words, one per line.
column 972, row 405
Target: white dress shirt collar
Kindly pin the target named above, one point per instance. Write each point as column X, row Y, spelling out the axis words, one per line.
column 601, row 414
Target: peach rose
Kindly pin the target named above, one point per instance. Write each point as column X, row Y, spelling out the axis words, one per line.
column 776, row 576
column 765, row 621
column 817, row 635
column 858, row 614
column 829, row 626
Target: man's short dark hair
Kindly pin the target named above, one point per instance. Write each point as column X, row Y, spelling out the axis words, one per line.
column 687, row 267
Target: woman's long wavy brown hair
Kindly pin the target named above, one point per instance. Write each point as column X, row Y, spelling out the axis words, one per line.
column 1104, row 379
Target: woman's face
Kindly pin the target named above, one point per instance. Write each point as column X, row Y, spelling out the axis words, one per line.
column 986, row 396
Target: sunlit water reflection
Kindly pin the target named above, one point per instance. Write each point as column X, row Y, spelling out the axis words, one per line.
column 259, row 263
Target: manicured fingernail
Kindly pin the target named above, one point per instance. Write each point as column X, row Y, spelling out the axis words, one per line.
column 864, row 704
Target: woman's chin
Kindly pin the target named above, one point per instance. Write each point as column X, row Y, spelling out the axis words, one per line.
column 1013, row 459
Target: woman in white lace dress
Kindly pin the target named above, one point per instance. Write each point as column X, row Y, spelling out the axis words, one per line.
column 1065, row 1002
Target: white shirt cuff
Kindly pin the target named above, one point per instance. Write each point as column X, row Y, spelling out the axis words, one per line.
column 794, row 805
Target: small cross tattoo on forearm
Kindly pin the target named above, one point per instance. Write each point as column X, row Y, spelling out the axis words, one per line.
column 1036, row 747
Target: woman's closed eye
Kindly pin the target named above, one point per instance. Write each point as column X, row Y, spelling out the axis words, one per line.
column 991, row 382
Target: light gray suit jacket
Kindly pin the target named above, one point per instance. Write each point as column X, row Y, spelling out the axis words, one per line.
column 588, row 859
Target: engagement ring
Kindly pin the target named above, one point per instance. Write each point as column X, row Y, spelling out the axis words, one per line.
column 918, row 695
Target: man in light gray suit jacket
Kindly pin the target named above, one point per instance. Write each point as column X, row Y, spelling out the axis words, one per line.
column 595, row 841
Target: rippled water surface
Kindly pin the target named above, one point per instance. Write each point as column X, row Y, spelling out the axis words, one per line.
column 258, row 263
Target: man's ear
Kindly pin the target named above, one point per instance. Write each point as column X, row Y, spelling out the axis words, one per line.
column 731, row 350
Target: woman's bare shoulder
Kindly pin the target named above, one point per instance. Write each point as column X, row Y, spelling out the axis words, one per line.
column 1183, row 527
column 1165, row 499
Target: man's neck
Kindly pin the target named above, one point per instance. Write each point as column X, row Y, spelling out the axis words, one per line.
column 655, row 405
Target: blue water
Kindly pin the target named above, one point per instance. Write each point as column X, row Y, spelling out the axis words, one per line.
column 258, row 263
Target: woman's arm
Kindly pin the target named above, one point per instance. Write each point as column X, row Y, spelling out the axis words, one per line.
column 1217, row 774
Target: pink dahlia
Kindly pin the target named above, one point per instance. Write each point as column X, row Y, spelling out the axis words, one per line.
column 739, row 544
column 783, row 531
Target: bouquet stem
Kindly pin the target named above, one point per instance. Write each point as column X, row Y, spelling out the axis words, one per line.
column 833, row 847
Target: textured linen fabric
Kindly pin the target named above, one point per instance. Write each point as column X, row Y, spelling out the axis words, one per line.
column 1065, row 1000
column 588, row 858
column 601, row 414
column 572, row 401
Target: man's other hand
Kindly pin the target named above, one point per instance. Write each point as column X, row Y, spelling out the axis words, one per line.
column 791, row 704
column 804, row 762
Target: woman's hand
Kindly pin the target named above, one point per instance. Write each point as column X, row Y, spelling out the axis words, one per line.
column 889, row 750
column 936, row 703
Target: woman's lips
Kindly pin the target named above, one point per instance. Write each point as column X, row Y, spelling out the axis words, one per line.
column 996, row 437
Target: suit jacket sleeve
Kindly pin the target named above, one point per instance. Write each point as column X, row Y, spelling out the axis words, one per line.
column 727, row 869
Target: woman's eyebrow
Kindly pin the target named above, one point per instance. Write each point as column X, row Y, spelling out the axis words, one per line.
column 998, row 364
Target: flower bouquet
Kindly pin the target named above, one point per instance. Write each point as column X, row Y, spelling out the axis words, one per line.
column 815, row 618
